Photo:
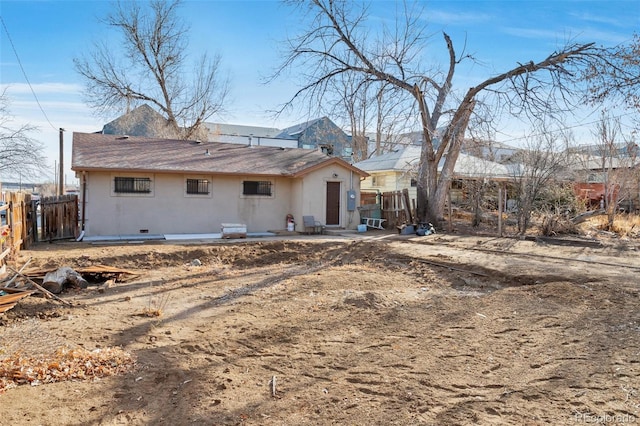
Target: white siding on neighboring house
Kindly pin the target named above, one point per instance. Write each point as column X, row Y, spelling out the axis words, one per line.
column 256, row 141
column 388, row 181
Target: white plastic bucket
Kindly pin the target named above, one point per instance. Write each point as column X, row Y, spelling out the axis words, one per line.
column 290, row 226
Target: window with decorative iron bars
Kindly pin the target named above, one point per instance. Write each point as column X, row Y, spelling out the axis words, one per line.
column 132, row 185
column 250, row 187
column 198, row 186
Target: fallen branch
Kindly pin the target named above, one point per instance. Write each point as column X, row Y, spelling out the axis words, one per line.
column 442, row 265
column 43, row 290
column 8, row 284
column 55, row 281
column 584, row 216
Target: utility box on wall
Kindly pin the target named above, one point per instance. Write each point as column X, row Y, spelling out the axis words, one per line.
column 351, row 200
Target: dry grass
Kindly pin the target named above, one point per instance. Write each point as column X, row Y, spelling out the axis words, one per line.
column 156, row 306
column 553, row 224
column 624, row 225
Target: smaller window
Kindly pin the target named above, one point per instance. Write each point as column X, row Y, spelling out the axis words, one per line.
column 414, row 182
column 131, row 185
column 251, row 187
column 596, row 178
column 377, row 180
column 198, row 186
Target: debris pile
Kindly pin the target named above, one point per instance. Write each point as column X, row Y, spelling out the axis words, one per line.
column 49, row 283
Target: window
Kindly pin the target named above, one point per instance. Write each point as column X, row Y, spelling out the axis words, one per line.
column 377, row 180
column 251, row 187
column 132, row 185
column 596, row 177
column 414, row 182
column 198, row 186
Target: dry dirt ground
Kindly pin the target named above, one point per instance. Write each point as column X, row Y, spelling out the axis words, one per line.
column 371, row 328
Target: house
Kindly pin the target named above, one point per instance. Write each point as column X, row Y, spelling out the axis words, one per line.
column 140, row 121
column 248, row 135
column 397, row 170
column 597, row 175
column 139, row 185
column 320, row 133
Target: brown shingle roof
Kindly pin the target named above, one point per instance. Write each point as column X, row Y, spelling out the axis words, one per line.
column 94, row 151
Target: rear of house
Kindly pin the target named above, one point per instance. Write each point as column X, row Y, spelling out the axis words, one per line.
column 136, row 185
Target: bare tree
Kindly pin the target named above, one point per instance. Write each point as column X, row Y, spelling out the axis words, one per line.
column 541, row 164
column 337, row 42
column 352, row 103
column 617, row 75
column 20, row 155
column 153, row 69
column 615, row 160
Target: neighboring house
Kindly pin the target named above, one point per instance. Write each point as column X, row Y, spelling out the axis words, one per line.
column 136, row 185
column 320, row 133
column 397, row 170
column 140, row 121
column 248, row 135
column 597, row 176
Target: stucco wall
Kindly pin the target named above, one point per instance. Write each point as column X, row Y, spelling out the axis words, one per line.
column 313, row 199
column 168, row 209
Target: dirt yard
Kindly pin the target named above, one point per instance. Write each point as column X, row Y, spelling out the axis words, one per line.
column 364, row 329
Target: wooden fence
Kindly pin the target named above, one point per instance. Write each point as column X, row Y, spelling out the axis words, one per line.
column 59, row 218
column 15, row 230
column 21, row 225
column 396, row 208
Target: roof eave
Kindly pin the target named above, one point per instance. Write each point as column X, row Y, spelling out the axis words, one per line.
column 175, row 172
column 310, row 169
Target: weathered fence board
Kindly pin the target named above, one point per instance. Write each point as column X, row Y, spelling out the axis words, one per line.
column 15, row 233
column 59, row 217
column 396, row 206
column 394, row 209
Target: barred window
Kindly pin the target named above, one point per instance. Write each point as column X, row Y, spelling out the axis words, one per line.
column 250, row 187
column 197, row 186
column 131, row 185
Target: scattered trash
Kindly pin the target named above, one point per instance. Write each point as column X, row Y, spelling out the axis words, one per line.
column 425, row 229
column 10, row 297
column 24, row 283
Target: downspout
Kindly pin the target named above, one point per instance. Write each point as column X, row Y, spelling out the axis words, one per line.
column 351, row 187
column 84, row 203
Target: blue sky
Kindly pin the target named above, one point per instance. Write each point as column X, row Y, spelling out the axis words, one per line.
column 48, row 34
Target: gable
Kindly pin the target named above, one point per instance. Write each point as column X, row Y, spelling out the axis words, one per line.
column 141, row 121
